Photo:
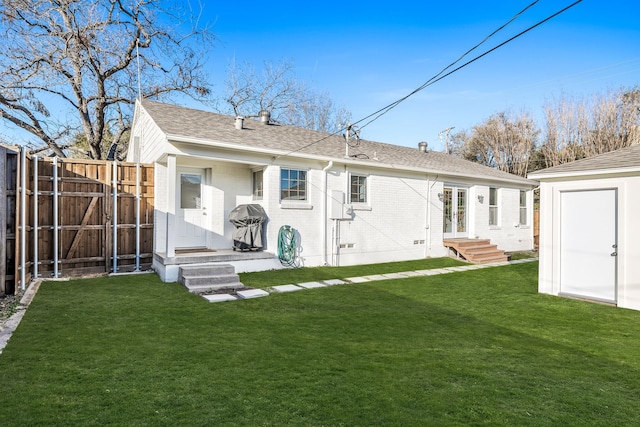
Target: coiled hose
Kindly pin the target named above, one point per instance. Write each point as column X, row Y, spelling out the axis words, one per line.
column 287, row 246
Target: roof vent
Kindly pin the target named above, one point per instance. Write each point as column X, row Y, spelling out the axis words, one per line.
column 265, row 117
column 422, row 146
column 239, row 122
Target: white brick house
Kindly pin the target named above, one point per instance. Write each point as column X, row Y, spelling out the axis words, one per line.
column 379, row 203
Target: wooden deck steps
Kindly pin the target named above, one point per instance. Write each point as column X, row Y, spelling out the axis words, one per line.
column 208, row 277
column 477, row 251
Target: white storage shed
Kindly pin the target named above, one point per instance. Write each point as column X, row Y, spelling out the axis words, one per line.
column 590, row 228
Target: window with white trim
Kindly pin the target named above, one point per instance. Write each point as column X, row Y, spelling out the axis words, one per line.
column 293, row 184
column 358, row 189
column 258, row 186
column 523, row 207
column 493, row 206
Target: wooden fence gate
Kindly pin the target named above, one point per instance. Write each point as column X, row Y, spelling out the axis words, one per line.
column 76, row 217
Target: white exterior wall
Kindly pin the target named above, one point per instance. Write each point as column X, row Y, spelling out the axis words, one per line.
column 304, row 216
column 402, row 220
column 151, row 140
column 628, row 268
column 508, row 234
column 160, row 208
column 391, row 226
column 436, row 221
column 228, row 185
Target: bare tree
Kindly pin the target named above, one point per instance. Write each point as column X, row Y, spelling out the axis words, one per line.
column 278, row 91
column 587, row 126
column 505, row 141
column 72, row 66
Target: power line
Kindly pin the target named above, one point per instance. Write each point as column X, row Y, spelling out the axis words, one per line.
column 428, row 82
column 439, row 76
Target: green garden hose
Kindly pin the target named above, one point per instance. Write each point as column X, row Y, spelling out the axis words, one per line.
column 287, row 246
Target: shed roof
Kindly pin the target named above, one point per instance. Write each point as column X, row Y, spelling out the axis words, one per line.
column 182, row 123
column 622, row 160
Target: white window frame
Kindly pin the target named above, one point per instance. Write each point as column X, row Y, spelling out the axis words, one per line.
column 289, row 178
column 257, row 191
column 366, row 189
column 495, row 207
column 523, row 208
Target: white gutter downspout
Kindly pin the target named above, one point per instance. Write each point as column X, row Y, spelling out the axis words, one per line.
column 324, row 212
column 427, row 239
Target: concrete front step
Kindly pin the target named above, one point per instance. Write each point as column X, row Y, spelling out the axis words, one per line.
column 209, row 277
column 207, row 269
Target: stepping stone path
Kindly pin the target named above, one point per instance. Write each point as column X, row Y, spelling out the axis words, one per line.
column 257, row 293
column 286, row 288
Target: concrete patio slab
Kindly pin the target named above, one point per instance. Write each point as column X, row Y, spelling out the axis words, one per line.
column 286, row 288
column 252, row 293
column 411, row 274
column 219, row 297
column 376, row 277
column 312, row 285
column 334, row 282
column 394, row 276
column 357, row 279
column 432, row 272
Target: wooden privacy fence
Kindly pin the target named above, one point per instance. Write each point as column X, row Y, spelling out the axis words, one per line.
column 77, row 217
column 8, row 191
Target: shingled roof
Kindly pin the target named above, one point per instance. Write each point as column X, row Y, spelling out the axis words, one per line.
column 181, row 123
column 622, row 160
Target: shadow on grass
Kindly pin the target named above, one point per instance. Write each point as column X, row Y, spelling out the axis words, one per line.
column 477, row 347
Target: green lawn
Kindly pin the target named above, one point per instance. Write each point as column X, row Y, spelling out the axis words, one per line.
column 470, row 348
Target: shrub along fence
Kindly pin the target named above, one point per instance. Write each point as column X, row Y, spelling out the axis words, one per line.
column 75, row 217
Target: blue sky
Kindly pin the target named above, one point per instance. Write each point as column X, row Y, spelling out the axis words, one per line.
column 366, row 55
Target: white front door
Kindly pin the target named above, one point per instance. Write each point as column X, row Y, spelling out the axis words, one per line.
column 190, row 210
column 454, row 208
column 588, row 244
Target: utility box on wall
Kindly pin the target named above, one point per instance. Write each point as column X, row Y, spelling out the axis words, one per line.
column 336, row 205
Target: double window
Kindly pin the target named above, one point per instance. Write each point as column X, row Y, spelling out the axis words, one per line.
column 293, row 184
column 493, row 206
column 358, row 189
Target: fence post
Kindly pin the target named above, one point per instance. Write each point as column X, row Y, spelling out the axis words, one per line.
column 23, row 216
column 138, row 216
column 35, row 217
column 114, row 220
column 55, row 218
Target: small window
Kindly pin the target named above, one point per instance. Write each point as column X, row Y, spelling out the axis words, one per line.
column 190, row 191
column 293, row 184
column 523, row 207
column 258, row 184
column 493, row 206
column 358, row 189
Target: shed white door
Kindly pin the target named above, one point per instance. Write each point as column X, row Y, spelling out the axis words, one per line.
column 190, row 211
column 588, row 244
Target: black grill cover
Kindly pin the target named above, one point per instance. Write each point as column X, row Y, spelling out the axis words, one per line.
column 248, row 220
